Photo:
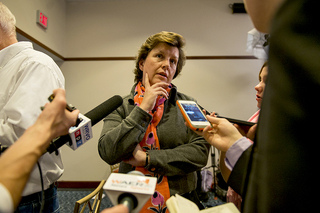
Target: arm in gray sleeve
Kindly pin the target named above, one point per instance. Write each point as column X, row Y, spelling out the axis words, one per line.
column 121, row 134
column 180, row 160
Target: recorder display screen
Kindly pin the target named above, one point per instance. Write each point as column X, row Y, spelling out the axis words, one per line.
column 193, row 112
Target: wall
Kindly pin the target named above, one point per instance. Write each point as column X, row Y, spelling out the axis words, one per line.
column 117, row 29
column 225, row 86
column 25, row 12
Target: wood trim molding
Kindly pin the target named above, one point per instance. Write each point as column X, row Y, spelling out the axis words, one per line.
column 38, row 43
column 221, row 57
column 100, row 59
column 228, row 57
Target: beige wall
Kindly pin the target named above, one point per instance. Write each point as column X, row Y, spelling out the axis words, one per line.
column 118, row 28
column 25, row 12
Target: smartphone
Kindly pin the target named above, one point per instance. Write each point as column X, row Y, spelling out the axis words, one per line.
column 193, row 115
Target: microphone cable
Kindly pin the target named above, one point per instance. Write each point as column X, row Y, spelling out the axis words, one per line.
column 42, row 191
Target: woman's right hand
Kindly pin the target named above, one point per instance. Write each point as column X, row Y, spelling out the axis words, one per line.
column 152, row 92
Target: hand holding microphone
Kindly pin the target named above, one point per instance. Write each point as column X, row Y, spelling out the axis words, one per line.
column 117, row 209
column 55, row 115
column 80, row 134
column 132, row 190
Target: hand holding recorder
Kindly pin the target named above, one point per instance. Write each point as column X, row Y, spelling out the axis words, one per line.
column 193, row 115
column 222, row 134
column 196, row 119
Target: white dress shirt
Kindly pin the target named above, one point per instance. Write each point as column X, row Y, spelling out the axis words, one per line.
column 27, row 78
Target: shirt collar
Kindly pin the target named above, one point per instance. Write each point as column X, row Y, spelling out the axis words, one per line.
column 12, row 50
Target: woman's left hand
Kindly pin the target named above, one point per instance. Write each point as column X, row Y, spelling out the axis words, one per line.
column 138, row 157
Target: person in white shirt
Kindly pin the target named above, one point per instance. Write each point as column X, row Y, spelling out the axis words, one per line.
column 17, row 161
column 27, row 78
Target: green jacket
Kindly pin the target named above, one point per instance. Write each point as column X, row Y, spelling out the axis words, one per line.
column 182, row 153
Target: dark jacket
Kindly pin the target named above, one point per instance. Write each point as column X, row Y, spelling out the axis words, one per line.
column 182, row 152
column 279, row 171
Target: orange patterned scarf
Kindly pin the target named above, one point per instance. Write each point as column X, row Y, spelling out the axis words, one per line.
column 150, row 141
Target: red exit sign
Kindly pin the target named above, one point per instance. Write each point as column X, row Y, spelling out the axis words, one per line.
column 42, row 19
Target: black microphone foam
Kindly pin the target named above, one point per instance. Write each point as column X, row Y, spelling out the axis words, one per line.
column 95, row 115
column 104, row 109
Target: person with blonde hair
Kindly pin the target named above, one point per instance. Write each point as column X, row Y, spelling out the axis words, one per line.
column 147, row 133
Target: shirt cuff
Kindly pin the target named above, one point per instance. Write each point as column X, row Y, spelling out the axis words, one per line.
column 235, row 151
column 6, row 203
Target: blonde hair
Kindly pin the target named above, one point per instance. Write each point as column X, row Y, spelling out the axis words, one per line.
column 171, row 38
column 7, row 21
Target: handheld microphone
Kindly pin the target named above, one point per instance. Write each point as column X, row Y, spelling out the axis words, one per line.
column 82, row 133
column 132, row 189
